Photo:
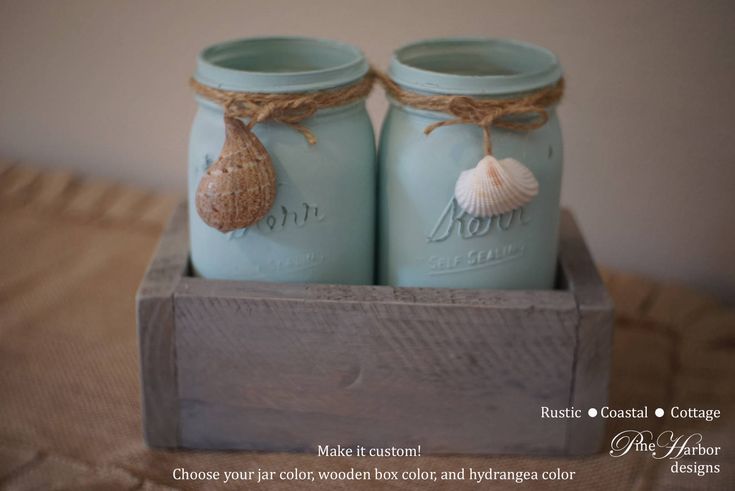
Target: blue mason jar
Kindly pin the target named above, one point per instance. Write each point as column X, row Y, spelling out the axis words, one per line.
column 425, row 238
column 321, row 227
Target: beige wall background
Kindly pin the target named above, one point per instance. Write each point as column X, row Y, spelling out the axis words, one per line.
column 100, row 87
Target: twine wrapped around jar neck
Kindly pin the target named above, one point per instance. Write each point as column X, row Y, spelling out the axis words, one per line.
column 287, row 108
column 482, row 112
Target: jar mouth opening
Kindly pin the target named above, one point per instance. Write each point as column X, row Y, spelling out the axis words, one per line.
column 474, row 66
column 280, row 64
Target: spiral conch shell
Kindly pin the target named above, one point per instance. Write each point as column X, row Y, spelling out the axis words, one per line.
column 240, row 187
column 494, row 187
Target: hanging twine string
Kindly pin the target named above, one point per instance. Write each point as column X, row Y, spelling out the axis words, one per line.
column 287, row 108
column 484, row 113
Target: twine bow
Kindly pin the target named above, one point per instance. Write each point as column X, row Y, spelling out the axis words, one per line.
column 484, row 113
column 287, row 108
column 289, row 112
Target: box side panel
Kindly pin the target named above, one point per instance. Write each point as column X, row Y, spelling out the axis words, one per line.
column 594, row 338
column 578, row 266
column 591, row 380
column 286, row 374
column 155, row 317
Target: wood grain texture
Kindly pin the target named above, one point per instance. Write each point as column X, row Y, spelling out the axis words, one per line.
column 156, row 334
column 503, row 299
column 289, row 374
column 590, row 381
column 269, row 366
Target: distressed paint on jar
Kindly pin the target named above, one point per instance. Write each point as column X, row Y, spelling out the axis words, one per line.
column 321, row 227
column 425, row 238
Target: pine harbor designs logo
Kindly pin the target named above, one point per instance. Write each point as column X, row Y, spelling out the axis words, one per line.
column 668, row 445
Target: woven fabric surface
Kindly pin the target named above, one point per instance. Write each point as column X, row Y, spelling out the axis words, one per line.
column 73, row 253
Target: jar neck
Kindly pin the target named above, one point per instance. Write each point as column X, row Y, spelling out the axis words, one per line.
column 471, row 66
column 280, row 65
column 325, row 112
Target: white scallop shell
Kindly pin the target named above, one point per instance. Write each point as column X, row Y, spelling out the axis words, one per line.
column 494, row 187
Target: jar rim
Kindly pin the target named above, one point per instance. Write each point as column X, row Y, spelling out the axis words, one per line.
column 474, row 66
column 280, row 64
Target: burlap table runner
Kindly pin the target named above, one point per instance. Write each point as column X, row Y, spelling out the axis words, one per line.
column 72, row 253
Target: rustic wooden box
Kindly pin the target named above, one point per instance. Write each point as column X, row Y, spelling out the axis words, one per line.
column 287, row 367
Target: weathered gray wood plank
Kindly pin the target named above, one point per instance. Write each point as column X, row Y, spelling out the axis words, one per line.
column 579, row 268
column 594, row 338
column 284, row 374
column 495, row 299
column 156, row 334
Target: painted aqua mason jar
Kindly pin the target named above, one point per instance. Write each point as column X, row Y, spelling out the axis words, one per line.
column 470, row 166
column 320, row 226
